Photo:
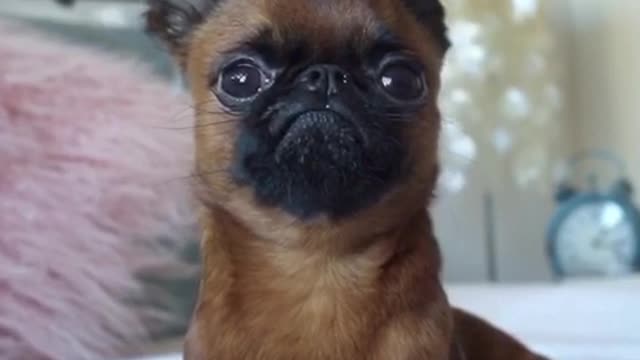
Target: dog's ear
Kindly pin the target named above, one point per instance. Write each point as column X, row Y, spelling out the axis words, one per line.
column 173, row 21
column 431, row 14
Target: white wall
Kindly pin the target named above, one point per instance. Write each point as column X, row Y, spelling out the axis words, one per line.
column 520, row 214
column 605, row 84
column 599, row 40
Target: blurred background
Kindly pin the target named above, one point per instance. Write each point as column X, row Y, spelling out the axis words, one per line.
column 535, row 212
column 529, row 85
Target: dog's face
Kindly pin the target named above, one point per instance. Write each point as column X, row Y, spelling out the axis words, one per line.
column 311, row 109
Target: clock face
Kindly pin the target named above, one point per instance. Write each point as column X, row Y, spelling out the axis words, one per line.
column 596, row 238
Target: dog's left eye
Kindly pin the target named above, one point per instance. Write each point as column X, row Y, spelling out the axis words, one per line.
column 402, row 82
column 241, row 80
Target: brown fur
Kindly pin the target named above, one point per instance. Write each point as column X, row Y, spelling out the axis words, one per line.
column 366, row 287
column 482, row 341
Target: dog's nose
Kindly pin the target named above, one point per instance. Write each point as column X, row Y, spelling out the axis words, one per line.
column 326, row 79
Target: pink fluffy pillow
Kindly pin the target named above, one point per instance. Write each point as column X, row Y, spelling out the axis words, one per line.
column 88, row 179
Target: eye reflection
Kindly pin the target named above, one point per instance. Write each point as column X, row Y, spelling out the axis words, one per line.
column 241, row 80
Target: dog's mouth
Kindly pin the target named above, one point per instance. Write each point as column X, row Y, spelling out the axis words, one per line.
column 322, row 134
column 312, row 161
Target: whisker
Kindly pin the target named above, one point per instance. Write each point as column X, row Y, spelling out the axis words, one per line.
column 213, row 123
column 290, row 224
column 192, row 176
column 190, row 110
column 210, row 172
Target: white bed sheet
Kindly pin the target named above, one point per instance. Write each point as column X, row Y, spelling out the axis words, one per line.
column 590, row 320
column 587, row 320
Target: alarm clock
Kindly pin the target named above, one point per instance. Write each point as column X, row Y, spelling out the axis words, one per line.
column 595, row 232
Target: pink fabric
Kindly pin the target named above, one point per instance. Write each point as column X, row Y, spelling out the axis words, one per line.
column 89, row 177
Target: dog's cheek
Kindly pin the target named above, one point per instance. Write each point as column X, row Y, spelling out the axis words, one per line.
column 422, row 137
column 215, row 139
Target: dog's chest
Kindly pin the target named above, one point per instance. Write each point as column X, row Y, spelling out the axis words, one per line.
column 320, row 326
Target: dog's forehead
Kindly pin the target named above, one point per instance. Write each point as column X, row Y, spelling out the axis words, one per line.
column 323, row 20
column 320, row 26
column 317, row 11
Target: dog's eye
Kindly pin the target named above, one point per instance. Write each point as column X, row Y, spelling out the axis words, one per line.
column 402, row 81
column 241, row 80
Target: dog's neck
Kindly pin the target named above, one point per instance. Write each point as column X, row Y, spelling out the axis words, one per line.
column 237, row 261
column 327, row 301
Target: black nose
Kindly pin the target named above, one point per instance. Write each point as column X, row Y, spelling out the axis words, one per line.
column 327, row 79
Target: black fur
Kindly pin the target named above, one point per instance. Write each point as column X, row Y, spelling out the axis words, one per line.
column 431, row 13
column 346, row 159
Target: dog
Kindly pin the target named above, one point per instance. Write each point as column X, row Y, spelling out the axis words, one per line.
column 316, row 158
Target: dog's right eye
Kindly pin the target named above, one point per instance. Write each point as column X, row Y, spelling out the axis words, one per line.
column 402, row 82
column 241, row 80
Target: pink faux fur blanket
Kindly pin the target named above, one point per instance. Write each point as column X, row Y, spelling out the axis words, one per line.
column 89, row 177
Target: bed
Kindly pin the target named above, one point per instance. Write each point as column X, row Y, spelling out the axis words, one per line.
column 586, row 320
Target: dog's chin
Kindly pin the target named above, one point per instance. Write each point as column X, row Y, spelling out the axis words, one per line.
column 322, row 163
column 320, row 142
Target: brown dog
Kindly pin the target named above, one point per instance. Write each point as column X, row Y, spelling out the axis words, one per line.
column 317, row 129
